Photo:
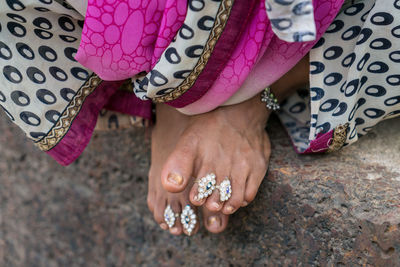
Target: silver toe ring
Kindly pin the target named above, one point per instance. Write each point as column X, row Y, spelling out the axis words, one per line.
column 170, row 216
column 206, row 186
column 225, row 190
column 188, row 219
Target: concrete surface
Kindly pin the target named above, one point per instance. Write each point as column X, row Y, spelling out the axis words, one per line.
column 341, row 209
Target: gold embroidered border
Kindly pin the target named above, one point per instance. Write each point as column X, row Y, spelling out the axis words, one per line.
column 339, row 138
column 219, row 26
column 64, row 123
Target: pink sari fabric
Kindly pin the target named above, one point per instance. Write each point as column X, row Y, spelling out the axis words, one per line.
column 79, row 134
column 240, row 82
column 245, row 15
column 280, row 56
column 106, row 95
column 123, row 38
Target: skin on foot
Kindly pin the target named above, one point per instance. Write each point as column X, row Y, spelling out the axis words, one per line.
column 214, row 221
column 230, row 142
column 163, row 143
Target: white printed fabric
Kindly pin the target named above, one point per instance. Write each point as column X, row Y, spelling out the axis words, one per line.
column 354, row 75
column 292, row 20
column 181, row 56
column 39, row 75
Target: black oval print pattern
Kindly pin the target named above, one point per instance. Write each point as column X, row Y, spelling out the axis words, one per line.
column 182, row 54
column 354, row 74
column 292, row 20
column 38, row 72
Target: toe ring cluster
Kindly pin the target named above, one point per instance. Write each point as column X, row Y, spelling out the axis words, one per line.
column 208, row 183
column 188, row 218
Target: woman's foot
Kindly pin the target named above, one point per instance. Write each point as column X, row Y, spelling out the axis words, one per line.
column 230, row 142
column 165, row 135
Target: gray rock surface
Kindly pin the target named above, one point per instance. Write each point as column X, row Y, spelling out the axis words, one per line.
column 341, row 209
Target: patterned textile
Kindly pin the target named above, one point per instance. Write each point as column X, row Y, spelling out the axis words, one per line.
column 40, row 74
column 354, row 78
column 292, row 21
column 183, row 54
column 121, row 39
column 177, row 55
column 44, row 90
column 194, row 55
column 79, row 5
column 274, row 60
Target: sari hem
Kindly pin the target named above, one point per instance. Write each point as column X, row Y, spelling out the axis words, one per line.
column 77, row 137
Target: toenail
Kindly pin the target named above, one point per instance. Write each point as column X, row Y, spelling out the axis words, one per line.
column 164, row 226
column 229, row 209
column 214, row 221
column 245, row 203
column 175, row 178
column 174, row 230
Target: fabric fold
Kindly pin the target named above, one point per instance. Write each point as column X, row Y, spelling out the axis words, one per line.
column 292, row 21
column 239, row 17
column 80, row 128
column 278, row 58
column 124, row 38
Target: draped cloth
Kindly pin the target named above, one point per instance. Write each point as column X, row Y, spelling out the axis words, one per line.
column 197, row 54
column 64, row 62
column 354, row 79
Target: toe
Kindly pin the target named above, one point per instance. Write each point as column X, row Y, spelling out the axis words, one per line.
column 205, row 170
column 178, row 169
column 253, row 182
column 159, row 213
column 151, row 193
column 252, row 185
column 223, row 170
column 233, row 204
column 238, row 179
column 193, row 196
column 213, row 203
column 176, row 207
column 176, row 229
column 150, row 202
column 215, row 222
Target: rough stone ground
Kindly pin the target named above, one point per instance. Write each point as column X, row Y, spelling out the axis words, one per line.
column 341, row 209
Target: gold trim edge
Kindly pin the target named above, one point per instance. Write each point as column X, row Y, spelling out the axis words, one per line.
column 62, row 126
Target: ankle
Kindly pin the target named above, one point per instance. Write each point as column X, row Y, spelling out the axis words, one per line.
column 252, row 112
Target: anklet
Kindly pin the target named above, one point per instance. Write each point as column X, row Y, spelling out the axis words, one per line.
column 269, row 98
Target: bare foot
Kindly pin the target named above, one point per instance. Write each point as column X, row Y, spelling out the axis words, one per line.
column 230, row 142
column 165, row 135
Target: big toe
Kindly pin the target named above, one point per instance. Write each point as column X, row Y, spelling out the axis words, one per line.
column 178, row 169
column 215, row 222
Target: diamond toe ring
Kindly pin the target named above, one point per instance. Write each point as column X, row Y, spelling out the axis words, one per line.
column 206, row 186
column 188, row 219
column 225, row 190
column 170, row 216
